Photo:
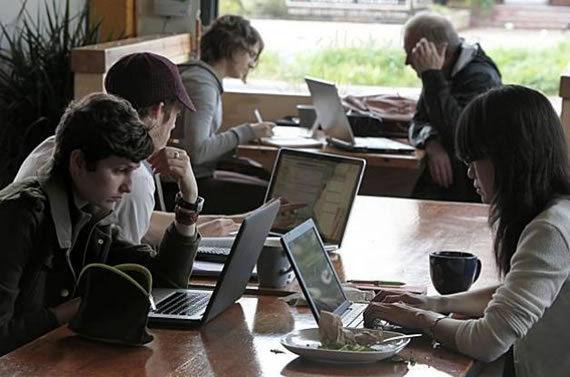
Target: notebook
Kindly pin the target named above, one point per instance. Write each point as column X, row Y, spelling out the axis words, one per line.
column 331, row 115
column 317, row 185
column 319, row 281
column 192, row 308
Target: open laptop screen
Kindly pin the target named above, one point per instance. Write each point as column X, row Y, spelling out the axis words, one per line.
column 324, row 185
column 314, row 269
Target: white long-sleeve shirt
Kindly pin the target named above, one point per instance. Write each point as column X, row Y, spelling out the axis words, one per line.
column 532, row 308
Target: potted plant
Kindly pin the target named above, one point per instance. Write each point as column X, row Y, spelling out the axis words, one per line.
column 36, row 82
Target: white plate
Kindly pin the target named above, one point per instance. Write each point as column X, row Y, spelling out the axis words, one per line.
column 305, row 343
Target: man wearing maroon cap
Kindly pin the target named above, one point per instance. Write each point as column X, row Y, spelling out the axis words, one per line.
column 146, row 79
column 152, row 84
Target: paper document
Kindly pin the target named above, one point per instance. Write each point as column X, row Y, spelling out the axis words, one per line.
column 290, row 132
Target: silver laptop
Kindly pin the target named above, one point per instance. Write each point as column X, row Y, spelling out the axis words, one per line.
column 317, row 185
column 323, row 187
column 332, row 117
column 192, row 308
column 317, row 276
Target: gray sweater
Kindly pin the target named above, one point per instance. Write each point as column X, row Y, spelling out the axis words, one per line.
column 532, row 308
column 197, row 130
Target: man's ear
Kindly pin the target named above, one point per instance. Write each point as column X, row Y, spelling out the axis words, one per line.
column 156, row 110
column 76, row 162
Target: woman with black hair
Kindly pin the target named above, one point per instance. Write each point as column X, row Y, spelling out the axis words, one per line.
column 513, row 144
column 230, row 47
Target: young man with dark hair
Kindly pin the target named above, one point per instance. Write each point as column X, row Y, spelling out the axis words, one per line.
column 152, row 84
column 56, row 223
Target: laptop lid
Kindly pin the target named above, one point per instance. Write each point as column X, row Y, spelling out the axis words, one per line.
column 314, row 270
column 324, row 184
column 329, row 109
column 235, row 274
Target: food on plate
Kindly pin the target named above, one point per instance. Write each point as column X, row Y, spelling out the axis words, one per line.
column 348, row 347
column 334, row 336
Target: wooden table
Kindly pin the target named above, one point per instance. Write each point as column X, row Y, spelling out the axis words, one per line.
column 390, row 238
column 385, row 174
column 387, row 239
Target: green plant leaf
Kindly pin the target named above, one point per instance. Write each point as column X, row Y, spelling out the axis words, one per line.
column 36, row 82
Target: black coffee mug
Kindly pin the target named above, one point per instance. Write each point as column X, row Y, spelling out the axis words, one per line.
column 453, row 271
column 273, row 267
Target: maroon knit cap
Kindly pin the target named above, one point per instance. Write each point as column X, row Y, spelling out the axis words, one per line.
column 145, row 79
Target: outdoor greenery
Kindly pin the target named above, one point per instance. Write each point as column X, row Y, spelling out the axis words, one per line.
column 376, row 65
column 36, row 82
column 268, row 8
column 538, row 68
column 351, row 65
column 384, row 66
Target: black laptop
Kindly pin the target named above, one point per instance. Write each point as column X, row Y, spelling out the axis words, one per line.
column 192, row 308
column 334, row 122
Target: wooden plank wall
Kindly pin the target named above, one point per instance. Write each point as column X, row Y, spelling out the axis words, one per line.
column 117, row 17
column 90, row 63
column 238, row 106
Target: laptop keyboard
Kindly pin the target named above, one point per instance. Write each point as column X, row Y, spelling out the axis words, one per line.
column 352, row 317
column 213, row 253
column 183, row 303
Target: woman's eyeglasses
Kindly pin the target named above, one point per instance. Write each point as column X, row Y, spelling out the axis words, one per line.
column 253, row 55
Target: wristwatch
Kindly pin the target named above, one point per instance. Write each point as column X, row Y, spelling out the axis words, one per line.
column 196, row 207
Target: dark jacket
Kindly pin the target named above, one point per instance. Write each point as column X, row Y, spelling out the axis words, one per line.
column 443, row 97
column 47, row 240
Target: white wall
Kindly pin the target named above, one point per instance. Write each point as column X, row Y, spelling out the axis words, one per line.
column 11, row 8
column 149, row 23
